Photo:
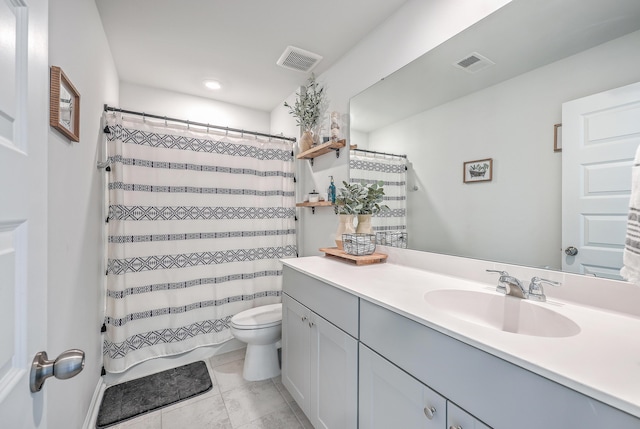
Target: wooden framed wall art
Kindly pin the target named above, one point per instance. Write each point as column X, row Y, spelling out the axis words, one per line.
column 478, row 171
column 64, row 105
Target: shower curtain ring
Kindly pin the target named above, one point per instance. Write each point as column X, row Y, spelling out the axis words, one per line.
column 188, row 125
column 207, row 128
column 165, row 121
column 143, row 117
column 226, row 133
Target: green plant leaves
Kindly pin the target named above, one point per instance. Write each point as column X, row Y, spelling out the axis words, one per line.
column 309, row 104
column 360, row 198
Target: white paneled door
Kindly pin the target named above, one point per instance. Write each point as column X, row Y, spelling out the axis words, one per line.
column 23, row 204
column 600, row 135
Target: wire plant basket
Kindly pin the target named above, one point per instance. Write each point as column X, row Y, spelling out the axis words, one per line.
column 359, row 244
column 392, row 238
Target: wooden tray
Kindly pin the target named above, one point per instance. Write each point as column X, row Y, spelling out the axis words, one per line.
column 374, row 258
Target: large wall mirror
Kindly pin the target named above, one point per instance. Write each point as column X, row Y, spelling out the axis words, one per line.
column 496, row 91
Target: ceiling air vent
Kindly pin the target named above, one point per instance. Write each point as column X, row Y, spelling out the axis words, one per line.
column 473, row 63
column 298, row 59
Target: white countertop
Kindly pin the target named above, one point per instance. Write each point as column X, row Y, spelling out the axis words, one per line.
column 602, row 361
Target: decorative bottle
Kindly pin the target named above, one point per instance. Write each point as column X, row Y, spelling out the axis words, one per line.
column 331, row 192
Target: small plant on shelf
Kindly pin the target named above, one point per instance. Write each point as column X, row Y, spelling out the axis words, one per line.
column 360, row 198
column 308, row 109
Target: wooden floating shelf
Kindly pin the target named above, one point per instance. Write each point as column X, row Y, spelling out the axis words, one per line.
column 374, row 258
column 314, row 205
column 321, row 149
column 318, row 204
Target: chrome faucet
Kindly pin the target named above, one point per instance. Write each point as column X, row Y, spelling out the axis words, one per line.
column 510, row 285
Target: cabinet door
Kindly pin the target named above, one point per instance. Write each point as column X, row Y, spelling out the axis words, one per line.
column 334, row 377
column 296, row 346
column 457, row 418
column 390, row 398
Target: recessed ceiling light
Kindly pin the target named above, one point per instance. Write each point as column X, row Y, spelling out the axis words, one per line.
column 212, row 84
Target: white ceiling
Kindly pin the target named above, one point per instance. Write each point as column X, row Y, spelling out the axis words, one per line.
column 175, row 45
column 519, row 37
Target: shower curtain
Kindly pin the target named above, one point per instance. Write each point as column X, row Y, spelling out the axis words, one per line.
column 197, row 223
column 389, row 226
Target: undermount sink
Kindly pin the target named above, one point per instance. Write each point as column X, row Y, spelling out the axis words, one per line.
column 504, row 313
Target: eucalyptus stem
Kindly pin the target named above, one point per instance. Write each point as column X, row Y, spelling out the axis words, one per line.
column 308, row 106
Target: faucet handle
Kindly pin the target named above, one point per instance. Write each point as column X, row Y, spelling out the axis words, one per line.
column 502, row 273
column 502, row 288
column 536, row 291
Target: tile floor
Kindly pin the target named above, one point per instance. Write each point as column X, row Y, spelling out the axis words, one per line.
column 232, row 403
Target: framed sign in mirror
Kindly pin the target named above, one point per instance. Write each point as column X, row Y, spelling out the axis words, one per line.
column 478, row 171
column 64, row 105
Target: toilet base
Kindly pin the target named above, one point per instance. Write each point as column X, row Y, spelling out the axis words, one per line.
column 261, row 362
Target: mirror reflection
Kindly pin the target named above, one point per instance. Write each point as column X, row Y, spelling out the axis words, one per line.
column 496, row 91
column 66, row 108
column 365, row 166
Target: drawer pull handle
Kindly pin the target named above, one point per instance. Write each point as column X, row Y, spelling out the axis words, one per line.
column 429, row 412
column 455, row 427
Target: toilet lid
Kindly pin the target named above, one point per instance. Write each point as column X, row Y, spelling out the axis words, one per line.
column 258, row 317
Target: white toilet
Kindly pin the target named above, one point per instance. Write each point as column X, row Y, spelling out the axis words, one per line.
column 260, row 328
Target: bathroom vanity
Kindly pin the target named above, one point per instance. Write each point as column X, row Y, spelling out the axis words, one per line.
column 388, row 345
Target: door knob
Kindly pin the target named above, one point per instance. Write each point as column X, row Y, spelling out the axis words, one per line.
column 571, row 251
column 67, row 365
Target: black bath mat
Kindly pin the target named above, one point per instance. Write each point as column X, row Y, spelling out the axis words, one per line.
column 136, row 397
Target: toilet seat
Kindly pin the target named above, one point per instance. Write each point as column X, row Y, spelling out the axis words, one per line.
column 261, row 317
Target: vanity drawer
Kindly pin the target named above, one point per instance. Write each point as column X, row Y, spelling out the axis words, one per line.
column 335, row 305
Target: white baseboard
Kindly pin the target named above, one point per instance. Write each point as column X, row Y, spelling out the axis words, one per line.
column 94, row 406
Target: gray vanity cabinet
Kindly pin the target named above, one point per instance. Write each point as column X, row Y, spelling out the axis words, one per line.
column 345, row 359
column 320, row 350
column 497, row 392
column 391, row 398
column 296, row 351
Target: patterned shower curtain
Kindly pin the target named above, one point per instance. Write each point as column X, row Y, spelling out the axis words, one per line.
column 390, row 226
column 197, row 223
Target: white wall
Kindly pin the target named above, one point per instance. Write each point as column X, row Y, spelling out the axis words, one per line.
column 198, row 109
column 523, row 202
column 417, row 27
column 78, row 45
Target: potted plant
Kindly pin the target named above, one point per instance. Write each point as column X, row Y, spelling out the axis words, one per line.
column 308, row 109
column 370, row 205
column 358, row 199
column 347, row 203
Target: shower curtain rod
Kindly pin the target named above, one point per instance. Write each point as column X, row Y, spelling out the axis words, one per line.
column 380, row 153
column 199, row 124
